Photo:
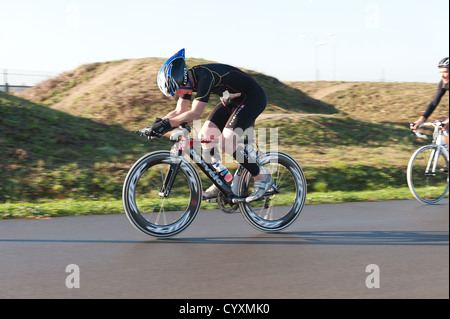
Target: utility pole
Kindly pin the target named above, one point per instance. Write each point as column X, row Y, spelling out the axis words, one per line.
column 5, row 80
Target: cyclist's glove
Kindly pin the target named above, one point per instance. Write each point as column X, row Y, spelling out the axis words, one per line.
column 160, row 127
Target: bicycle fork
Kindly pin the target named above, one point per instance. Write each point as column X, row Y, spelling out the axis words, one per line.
column 169, row 179
column 433, row 162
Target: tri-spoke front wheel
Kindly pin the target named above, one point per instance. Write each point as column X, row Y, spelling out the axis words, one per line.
column 162, row 194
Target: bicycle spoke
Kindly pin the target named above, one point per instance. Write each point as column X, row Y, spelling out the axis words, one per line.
column 268, row 214
column 280, row 180
column 161, row 212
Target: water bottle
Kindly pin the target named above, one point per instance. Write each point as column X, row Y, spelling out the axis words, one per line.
column 223, row 171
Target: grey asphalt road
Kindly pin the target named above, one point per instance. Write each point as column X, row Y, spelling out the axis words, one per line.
column 325, row 254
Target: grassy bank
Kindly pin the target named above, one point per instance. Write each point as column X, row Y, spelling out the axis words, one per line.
column 71, row 207
column 67, row 143
column 52, row 155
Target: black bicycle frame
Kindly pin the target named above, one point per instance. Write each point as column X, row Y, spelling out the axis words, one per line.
column 211, row 173
column 205, row 167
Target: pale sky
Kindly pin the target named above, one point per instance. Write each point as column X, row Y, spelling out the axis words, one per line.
column 295, row 40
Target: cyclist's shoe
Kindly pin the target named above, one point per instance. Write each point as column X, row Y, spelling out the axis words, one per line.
column 260, row 188
column 211, row 192
column 445, row 169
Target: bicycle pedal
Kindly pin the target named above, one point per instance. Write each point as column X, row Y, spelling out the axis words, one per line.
column 238, row 200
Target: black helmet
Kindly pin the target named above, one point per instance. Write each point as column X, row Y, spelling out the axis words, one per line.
column 443, row 63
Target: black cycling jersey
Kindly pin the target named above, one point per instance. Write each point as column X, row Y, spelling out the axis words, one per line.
column 218, row 78
column 241, row 112
column 442, row 88
column 237, row 113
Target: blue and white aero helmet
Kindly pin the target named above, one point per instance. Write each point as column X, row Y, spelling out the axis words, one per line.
column 443, row 63
column 173, row 74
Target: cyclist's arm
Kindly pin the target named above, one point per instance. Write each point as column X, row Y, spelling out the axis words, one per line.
column 205, row 83
column 418, row 123
column 187, row 115
column 434, row 103
column 182, row 106
column 431, row 107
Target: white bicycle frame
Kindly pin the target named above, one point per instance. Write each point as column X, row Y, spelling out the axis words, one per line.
column 439, row 142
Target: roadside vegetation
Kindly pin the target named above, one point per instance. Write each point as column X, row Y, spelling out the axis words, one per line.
column 67, row 144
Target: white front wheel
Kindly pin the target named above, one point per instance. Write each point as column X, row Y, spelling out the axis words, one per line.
column 427, row 175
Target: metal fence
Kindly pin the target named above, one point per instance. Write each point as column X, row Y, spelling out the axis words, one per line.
column 20, row 80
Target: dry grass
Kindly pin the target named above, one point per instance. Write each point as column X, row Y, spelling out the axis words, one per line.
column 380, row 101
column 338, row 131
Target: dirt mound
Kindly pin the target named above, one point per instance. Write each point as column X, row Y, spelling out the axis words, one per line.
column 118, row 92
column 125, row 92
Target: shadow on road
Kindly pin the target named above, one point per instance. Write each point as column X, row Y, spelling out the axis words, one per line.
column 395, row 238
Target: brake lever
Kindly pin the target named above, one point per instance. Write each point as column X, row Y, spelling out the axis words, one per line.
column 141, row 132
column 144, row 132
column 417, row 133
column 421, row 135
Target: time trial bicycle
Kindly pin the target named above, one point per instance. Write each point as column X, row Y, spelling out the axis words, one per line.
column 162, row 192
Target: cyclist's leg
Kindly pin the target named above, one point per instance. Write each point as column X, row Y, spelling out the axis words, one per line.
column 445, row 129
column 212, row 129
column 445, row 139
column 243, row 117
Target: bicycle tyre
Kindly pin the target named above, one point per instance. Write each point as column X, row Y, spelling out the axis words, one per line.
column 149, row 211
column 271, row 214
column 429, row 188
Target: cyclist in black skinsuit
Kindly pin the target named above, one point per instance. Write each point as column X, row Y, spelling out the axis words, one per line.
column 442, row 88
column 247, row 100
column 243, row 100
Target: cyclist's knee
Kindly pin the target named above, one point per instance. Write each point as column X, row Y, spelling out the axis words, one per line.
column 229, row 141
column 209, row 131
